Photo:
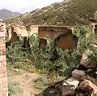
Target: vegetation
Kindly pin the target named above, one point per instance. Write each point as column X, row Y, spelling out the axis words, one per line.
column 13, row 89
column 41, row 83
column 46, row 61
column 53, row 62
column 51, row 59
column 16, row 53
column 64, row 13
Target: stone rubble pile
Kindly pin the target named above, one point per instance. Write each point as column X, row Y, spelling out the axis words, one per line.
column 83, row 81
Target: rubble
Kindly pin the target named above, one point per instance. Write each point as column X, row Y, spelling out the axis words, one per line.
column 88, row 86
column 77, row 74
column 88, row 63
column 83, row 81
column 69, row 86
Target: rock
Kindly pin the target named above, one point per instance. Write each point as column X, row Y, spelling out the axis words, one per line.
column 52, row 91
column 16, row 70
column 77, row 74
column 88, row 63
column 87, row 85
column 85, row 61
column 96, row 72
column 69, row 86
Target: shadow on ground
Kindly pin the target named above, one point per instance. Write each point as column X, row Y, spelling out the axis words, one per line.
column 53, row 90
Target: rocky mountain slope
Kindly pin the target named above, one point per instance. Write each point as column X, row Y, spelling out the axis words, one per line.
column 6, row 14
column 68, row 12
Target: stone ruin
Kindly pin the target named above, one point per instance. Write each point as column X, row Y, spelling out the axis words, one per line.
column 3, row 65
column 83, row 81
column 77, row 81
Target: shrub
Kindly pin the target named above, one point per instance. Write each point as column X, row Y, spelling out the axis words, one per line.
column 46, row 59
column 41, row 83
column 67, row 60
column 16, row 53
column 52, row 59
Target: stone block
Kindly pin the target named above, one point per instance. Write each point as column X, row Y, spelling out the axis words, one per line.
column 69, row 86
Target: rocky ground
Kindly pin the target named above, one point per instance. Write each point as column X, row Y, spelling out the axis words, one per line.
column 83, row 81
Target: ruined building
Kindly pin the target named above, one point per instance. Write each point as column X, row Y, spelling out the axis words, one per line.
column 64, row 38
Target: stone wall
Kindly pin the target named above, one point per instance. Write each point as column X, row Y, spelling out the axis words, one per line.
column 3, row 69
column 33, row 30
column 51, row 31
column 66, row 40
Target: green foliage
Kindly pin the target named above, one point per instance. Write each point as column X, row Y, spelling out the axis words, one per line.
column 86, row 43
column 41, row 83
column 66, row 61
column 71, row 13
column 52, row 59
column 16, row 53
column 93, row 55
column 85, row 37
column 13, row 89
column 46, row 59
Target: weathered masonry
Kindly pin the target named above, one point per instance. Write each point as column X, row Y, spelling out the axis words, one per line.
column 45, row 31
column 3, row 65
column 63, row 35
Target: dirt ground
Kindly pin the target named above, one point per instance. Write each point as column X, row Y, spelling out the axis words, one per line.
column 25, row 81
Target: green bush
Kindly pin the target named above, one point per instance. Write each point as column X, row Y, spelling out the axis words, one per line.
column 16, row 53
column 93, row 55
column 41, row 83
column 52, row 59
column 67, row 60
column 46, row 59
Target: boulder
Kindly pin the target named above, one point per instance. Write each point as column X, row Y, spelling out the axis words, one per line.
column 69, row 86
column 85, row 61
column 87, row 85
column 77, row 74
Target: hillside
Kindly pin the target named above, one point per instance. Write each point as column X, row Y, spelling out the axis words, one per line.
column 6, row 14
column 68, row 12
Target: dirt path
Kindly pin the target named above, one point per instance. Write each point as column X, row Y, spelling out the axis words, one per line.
column 25, row 81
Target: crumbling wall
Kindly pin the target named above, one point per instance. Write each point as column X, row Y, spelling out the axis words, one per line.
column 51, row 31
column 66, row 40
column 3, row 65
column 11, row 37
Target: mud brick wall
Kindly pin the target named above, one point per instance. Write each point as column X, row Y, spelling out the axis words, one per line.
column 51, row 31
column 3, row 65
